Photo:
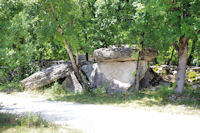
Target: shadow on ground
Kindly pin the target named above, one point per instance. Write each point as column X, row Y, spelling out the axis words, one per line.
column 8, row 121
column 17, row 123
column 159, row 97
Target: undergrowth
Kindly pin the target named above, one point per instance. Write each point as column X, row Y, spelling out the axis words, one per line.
column 29, row 120
column 29, row 123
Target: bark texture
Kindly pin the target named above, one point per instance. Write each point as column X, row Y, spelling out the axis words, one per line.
column 182, row 62
column 137, row 76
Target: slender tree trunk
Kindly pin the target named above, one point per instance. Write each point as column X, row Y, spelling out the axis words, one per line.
column 168, row 63
column 40, row 58
column 155, row 61
column 87, row 56
column 192, row 52
column 74, row 66
column 137, row 76
column 69, row 51
column 77, row 58
column 182, row 62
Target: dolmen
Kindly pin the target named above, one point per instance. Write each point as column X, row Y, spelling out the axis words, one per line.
column 113, row 69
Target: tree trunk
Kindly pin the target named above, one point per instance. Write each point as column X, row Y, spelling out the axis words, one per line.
column 137, row 76
column 77, row 58
column 155, row 61
column 69, row 51
column 192, row 52
column 182, row 62
column 74, row 66
column 168, row 63
column 87, row 56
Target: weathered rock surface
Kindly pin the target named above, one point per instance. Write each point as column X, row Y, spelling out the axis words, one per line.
column 115, row 70
column 123, row 54
column 168, row 73
column 76, row 85
column 114, row 76
column 71, row 84
column 47, row 76
column 67, row 84
column 150, row 79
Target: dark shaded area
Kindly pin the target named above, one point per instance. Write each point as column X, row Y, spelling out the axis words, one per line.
column 150, row 79
column 10, row 88
column 8, row 121
column 11, row 120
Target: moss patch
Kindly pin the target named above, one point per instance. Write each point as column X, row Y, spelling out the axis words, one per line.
column 192, row 76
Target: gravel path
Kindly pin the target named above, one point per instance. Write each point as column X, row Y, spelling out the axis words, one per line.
column 100, row 118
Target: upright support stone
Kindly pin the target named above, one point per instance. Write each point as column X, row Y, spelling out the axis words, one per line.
column 116, row 67
column 71, row 84
column 114, row 76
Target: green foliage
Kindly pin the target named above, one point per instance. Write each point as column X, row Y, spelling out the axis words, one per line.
column 57, row 89
column 33, row 120
column 11, row 87
column 162, row 98
column 16, row 47
column 193, row 76
column 29, row 120
column 29, row 123
column 100, row 91
column 29, row 30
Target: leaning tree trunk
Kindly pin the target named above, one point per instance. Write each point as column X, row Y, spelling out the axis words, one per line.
column 69, row 51
column 137, row 76
column 182, row 62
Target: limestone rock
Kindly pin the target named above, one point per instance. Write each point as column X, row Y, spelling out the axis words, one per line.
column 67, row 84
column 114, row 76
column 148, row 54
column 123, row 54
column 168, row 73
column 71, row 84
column 47, row 76
column 150, row 79
column 77, row 86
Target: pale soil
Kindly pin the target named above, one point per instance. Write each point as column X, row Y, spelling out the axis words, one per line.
column 101, row 118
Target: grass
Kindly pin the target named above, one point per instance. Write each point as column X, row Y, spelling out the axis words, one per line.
column 162, row 99
column 11, row 87
column 10, row 123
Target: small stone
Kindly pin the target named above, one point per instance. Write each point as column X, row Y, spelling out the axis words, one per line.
column 172, row 97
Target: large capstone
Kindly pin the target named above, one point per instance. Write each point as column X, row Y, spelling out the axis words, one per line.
column 123, row 54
